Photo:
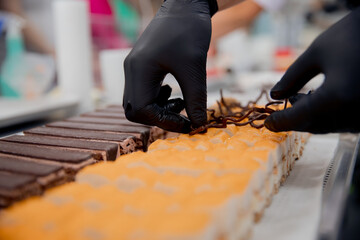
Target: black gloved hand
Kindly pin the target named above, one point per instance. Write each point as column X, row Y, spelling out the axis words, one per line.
column 333, row 106
column 176, row 41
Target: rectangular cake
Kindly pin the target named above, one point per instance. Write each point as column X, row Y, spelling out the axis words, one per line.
column 71, row 160
column 126, row 142
column 100, row 150
column 206, row 186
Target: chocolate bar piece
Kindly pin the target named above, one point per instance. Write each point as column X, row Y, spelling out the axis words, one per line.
column 111, row 121
column 100, row 150
column 118, row 106
column 15, row 187
column 105, row 115
column 140, row 132
column 47, row 175
column 127, row 142
column 112, row 109
column 72, row 161
column 100, row 127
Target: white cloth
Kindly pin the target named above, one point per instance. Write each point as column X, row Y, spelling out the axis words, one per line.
column 294, row 213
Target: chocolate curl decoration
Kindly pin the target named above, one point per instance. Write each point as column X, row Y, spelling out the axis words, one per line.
column 236, row 113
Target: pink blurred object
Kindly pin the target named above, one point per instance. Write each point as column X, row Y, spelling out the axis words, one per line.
column 103, row 26
column 100, row 7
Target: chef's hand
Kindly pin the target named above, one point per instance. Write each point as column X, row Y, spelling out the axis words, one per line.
column 334, row 106
column 176, row 41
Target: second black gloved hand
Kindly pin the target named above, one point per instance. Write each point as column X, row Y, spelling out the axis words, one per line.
column 176, row 41
column 333, row 106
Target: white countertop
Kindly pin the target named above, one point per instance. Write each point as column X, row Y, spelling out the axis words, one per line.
column 15, row 111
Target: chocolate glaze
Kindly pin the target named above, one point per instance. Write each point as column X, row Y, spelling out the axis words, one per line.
column 14, row 165
column 111, row 110
column 14, row 187
column 29, row 150
column 118, row 106
column 99, row 127
column 111, row 121
column 111, row 149
column 79, row 134
column 11, row 181
column 91, row 135
column 105, row 115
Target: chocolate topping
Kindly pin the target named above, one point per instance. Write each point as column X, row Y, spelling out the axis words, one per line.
column 29, row 150
column 105, row 115
column 110, row 148
column 99, row 127
column 79, row 134
column 111, row 121
column 249, row 112
column 111, row 110
column 91, row 135
column 11, row 181
column 15, row 165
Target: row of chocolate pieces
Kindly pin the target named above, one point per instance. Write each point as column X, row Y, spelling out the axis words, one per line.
column 51, row 155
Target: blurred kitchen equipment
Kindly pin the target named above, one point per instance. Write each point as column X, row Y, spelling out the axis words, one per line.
column 112, row 74
column 73, row 50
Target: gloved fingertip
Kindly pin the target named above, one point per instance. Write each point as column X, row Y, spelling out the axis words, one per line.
column 271, row 123
column 164, row 94
column 186, row 127
column 166, row 89
column 293, row 99
column 276, row 94
column 175, row 105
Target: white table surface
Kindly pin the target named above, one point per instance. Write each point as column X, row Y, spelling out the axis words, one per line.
column 14, row 111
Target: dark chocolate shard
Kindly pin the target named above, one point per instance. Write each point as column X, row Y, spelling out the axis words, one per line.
column 100, row 150
column 127, row 142
column 14, row 165
column 31, row 151
column 105, row 115
column 111, row 121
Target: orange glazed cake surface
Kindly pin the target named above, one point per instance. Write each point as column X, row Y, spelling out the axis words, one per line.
column 206, row 186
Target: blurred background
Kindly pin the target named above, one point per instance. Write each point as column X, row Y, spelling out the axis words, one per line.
column 63, row 57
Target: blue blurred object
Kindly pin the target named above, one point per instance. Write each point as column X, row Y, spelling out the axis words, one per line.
column 11, row 75
column 2, row 24
column 128, row 20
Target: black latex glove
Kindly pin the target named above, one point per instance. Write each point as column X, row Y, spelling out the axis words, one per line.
column 334, row 106
column 176, row 41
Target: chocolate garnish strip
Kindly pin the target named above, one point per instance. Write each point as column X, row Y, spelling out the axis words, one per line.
column 285, row 104
column 100, row 150
column 253, row 113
